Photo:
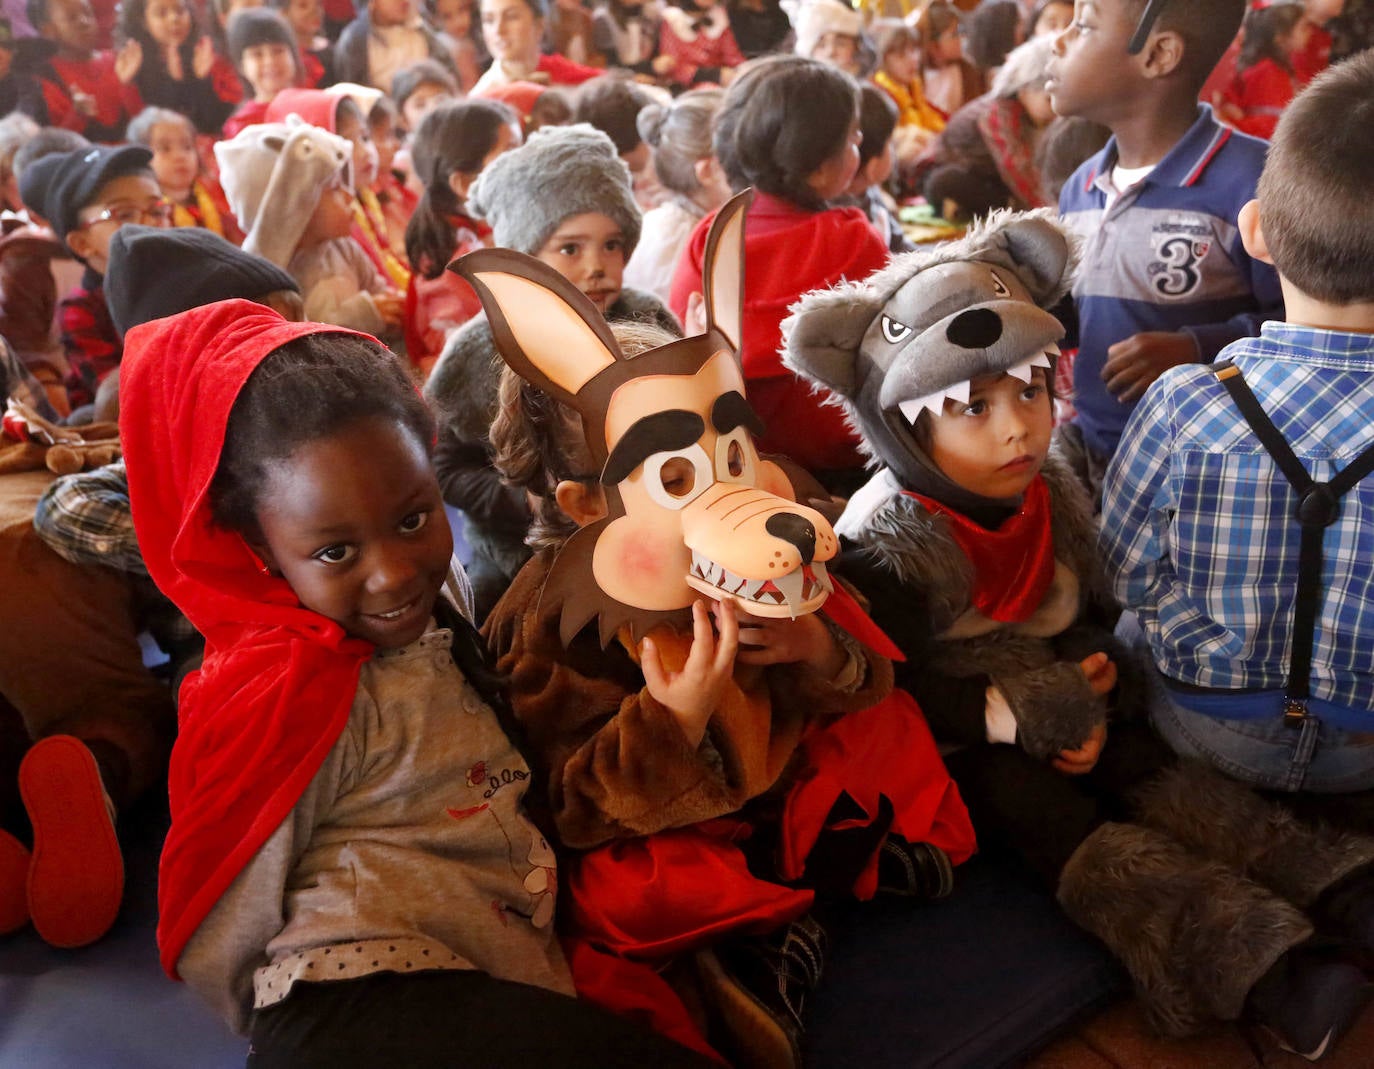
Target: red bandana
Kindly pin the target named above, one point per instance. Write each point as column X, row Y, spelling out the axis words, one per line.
column 1013, row 566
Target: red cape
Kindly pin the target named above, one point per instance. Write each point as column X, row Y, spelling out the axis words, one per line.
column 259, row 717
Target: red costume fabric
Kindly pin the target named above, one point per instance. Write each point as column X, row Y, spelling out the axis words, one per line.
column 563, row 71
column 90, row 341
column 1260, row 93
column 700, row 47
column 249, row 113
column 274, row 692
column 115, row 103
column 789, row 251
column 1013, row 566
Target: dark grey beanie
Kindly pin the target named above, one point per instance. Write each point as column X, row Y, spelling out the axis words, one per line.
column 561, row 171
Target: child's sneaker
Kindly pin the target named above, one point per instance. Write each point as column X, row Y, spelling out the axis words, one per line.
column 1308, row 999
column 76, row 878
column 760, row 987
column 914, row 870
column 14, row 878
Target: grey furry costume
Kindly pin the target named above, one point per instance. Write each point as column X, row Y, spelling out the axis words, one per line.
column 1195, row 883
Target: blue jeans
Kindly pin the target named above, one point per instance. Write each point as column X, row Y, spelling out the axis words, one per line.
column 1266, row 753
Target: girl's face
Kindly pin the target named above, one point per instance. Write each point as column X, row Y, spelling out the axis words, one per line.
column 355, row 523
column 838, row 50
column 511, row 32
column 995, row 444
column 268, row 68
column 168, row 22
column 175, row 162
column 306, row 17
column 385, row 140
column 507, row 137
column 350, row 125
column 1055, row 18
column 454, row 17
column 1295, row 40
column 427, row 97
column 390, row 12
column 332, row 218
column 832, row 179
column 947, row 48
column 589, row 251
column 903, row 64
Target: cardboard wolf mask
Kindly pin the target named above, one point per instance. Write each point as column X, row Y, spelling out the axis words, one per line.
column 692, row 508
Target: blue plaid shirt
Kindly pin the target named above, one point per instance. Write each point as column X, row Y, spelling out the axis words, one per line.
column 1197, row 528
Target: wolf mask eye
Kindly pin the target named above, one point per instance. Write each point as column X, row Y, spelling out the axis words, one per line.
column 894, row 332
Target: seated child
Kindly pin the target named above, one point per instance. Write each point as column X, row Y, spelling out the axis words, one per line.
column 950, row 81
column 985, row 156
column 195, row 197
column 175, row 66
column 335, row 625
column 652, row 733
column 977, row 548
column 1271, row 39
column 1201, row 500
column 420, row 87
column 1050, row 17
column 898, row 49
column 75, row 552
column 685, row 166
column 306, row 19
column 513, row 31
column 612, row 104
column 452, row 146
column 86, row 196
column 832, row 33
column 396, row 199
column 991, row 31
column 867, row 192
column 386, row 36
column 289, row 186
column 626, row 33
column 263, row 49
column 564, row 197
column 696, row 36
column 86, row 91
column 1171, row 172
column 457, row 25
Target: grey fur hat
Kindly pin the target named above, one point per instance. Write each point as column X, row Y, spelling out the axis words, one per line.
column 561, row 171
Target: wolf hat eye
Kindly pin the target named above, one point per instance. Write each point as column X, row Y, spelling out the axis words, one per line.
column 998, row 286
column 894, row 332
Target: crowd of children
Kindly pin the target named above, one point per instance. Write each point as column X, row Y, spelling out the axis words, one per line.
column 1132, row 615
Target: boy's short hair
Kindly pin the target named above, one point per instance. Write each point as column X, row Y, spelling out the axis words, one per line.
column 58, row 187
column 1315, row 206
column 422, row 72
column 877, row 120
column 612, row 104
column 1207, row 27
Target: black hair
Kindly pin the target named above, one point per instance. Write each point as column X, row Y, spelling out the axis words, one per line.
column 1262, row 29
column 877, row 121
column 1062, row 148
column 780, row 121
column 422, row 72
column 612, row 104
column 132, row 25
column 308, row 389
column 451, row 139
column 259, row 26
column 1207, row 27
column 990, row 33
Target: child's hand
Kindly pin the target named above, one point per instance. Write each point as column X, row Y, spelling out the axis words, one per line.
column 391, row 307
column 1077, row 762
column 203, row 58
column 1101, row 672
column 805, row 640
column 692, row 694
column 663, row 65
column 83, row 102
column 128, row 62
column 1136, row 362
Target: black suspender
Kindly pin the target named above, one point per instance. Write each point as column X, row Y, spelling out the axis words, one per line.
column 1318, row 508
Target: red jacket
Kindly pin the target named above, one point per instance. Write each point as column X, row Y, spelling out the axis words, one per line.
column 115, row 103
column 1261, row 92
column 787, row 252
column 274, row 692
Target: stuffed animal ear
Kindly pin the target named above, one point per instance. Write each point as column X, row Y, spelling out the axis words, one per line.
column 545, row 327
column 821, row 336
column 722, row 268
column 1040, row 251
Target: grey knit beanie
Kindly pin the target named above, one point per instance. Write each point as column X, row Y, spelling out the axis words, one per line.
column 561, row 171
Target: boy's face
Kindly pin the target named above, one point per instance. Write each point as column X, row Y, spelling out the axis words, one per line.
column 268, row 68
column 454, row 17
column 389, row 12
column 511, row 31
column 169, row 22
column 1091, row 73
column 355, row 523
column 426, row 97
column 175, row 162
column 71, row 23
column 994, row 445
column 130, row 198
column 305, row 16
column 589, row 251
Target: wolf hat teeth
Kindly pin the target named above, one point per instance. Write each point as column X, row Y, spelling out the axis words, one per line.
column 934, row 403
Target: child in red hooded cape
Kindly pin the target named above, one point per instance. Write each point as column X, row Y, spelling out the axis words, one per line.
column 350, row 876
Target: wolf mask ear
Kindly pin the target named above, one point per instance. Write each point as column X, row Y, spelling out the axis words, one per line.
column 722, row 268
column 544, row 326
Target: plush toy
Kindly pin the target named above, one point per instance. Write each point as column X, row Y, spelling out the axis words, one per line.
column 29, row 442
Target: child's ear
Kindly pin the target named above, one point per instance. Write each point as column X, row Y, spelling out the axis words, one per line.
column 581, row 502
column 1251, row 233
column 460, row 183
column 79, row 242
column 1163, row 54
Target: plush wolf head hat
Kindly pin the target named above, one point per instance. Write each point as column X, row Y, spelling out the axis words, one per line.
column 692, row 508
column 907, row 337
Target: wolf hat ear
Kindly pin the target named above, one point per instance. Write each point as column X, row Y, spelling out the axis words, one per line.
column 1039, row 252
column 822, row 334
column 722, row 268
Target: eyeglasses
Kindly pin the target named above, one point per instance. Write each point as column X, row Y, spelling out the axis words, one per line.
column 155, row 214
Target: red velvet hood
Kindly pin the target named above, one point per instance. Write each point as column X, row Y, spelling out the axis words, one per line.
column 273, row 694
column 315, row 106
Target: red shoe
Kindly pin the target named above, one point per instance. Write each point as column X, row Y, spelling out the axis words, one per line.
column 14, row 877
column 76, row 879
